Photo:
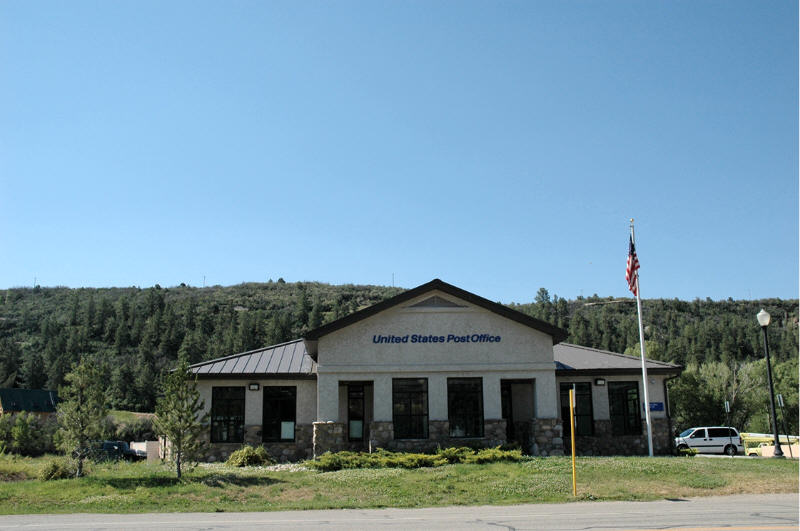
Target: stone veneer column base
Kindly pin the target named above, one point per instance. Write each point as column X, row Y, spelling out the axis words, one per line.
column 381, row 434
column 547, row 437
column 329, row 437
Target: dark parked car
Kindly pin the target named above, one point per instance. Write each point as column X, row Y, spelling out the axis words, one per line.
column 115, row 450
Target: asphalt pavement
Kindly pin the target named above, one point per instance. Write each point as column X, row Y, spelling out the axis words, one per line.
column 763, row 512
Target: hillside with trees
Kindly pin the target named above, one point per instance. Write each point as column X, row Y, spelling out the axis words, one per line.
column 133, row 334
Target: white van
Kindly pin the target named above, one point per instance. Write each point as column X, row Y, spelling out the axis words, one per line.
column 711, row 440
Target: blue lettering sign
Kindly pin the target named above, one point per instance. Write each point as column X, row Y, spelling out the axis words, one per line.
column 431, row 338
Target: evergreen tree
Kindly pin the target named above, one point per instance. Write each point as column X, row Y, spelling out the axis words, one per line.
column 193, row 347
column 302, row 308
column 90, row 316
column 33, row 372
column 81, row 411
column 179, row 416
column 122, row 390
column 10, row 360
column 315, row 319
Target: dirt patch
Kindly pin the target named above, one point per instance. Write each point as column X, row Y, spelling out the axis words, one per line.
column 12, row 476
column 302, row 494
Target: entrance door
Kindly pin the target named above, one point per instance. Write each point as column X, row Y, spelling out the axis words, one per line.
column 518, row 409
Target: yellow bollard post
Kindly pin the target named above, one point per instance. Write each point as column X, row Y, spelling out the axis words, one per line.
column 572, row 438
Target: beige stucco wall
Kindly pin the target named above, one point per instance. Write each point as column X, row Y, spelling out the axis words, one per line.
column 600, row 393
column 254, row 400
column 351, row 354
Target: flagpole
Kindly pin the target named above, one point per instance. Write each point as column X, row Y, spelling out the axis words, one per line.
column 644, row 365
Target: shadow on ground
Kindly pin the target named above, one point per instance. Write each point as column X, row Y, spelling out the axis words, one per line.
column 215, row 480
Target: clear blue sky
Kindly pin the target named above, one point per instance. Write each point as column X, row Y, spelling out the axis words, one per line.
column 501, row 146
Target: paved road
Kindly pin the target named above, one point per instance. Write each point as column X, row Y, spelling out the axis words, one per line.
column 732, row 513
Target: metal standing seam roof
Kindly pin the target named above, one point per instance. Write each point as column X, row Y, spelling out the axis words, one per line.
column 292, row 359
column 570, row 357
column 289, row 358
column 39, row 400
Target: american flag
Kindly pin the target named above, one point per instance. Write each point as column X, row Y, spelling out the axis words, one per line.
column 631, row 270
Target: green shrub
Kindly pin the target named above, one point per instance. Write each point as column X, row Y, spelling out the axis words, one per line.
column 6, row 423
column 328, row 461
column 402, row 460
column 250, row 456
column 494, row 455
column 56, row 469
column 455, row 454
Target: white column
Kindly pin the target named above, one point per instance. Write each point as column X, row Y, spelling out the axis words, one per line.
column 491, row 398
column 546, row 396
column 382, row 401
column 327, row 398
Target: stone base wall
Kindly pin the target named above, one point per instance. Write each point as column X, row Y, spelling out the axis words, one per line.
column 546, row 435
column 523, row 435
column 540, row 437
column 382, row 436
column 603, row 442
column 281, row 451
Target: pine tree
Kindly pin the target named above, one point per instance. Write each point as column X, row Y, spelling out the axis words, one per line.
column 302, row 308
column 179, row 416
column 10, row 361
column 81, row 411
column 33, row 372
column 315, row 319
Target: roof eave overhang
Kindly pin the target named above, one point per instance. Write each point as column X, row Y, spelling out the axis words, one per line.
column 621, row 372
column 256, row 376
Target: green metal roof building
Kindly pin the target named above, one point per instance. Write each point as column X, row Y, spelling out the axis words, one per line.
column 31, row 400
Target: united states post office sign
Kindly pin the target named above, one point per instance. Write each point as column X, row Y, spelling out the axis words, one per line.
column 432, row 338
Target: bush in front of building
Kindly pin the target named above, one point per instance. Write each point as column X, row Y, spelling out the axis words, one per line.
column 250, row 456
column 455, row 454
column 407, row 460
column 328, row 461
column 493, row 455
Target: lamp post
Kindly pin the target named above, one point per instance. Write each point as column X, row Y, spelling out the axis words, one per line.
column 763, row 320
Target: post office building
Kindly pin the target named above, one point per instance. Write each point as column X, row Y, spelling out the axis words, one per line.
column 435, row 366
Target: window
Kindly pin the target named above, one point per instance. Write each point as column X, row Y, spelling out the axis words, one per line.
column 410, row 408
column 699, row 434
column 465, row 407
column 355, row 412
column 623, row 400
column 280, row 413
column 227, row 414
column 721, row 432
column 584, row 422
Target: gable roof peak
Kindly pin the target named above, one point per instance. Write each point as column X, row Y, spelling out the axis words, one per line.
column 556, row 333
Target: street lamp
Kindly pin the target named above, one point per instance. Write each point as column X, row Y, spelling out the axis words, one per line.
column 763, row 320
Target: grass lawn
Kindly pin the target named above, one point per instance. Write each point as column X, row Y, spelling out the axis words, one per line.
column 139, row 487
